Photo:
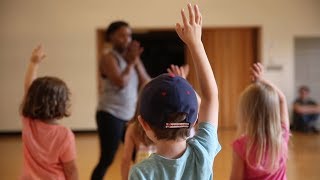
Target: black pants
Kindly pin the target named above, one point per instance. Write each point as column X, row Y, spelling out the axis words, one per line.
column 110, row 130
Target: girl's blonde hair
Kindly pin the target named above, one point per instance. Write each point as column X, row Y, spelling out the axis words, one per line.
column 259, row 113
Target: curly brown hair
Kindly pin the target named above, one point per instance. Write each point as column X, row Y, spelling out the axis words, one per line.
column 47, row 98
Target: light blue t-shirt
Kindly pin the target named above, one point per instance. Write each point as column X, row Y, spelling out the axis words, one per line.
column 196, row 162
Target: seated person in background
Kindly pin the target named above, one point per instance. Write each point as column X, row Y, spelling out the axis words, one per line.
column 305, row 112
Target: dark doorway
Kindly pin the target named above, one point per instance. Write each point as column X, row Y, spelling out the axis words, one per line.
column 161, row 49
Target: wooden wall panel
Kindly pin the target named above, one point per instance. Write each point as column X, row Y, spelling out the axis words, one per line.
column 231, row 52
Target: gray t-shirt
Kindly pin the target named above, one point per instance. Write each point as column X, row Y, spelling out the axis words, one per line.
column 195, row 163
column 120, row 102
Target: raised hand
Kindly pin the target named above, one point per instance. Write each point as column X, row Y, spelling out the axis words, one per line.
column 36, row 58
column 38, row 54
column 257, row 72
column 190, row 32
column 182, row 71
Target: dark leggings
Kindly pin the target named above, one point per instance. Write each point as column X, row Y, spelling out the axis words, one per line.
column 110, row 130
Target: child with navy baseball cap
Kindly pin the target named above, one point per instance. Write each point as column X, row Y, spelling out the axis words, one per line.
column 169, row 109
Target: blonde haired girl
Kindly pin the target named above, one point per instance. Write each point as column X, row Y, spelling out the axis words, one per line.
column 261, row 150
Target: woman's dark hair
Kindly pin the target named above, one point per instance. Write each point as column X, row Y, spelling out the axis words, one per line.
column 47, row 98
column 113, row 27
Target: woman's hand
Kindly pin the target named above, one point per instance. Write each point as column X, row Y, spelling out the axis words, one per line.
column 133, row 52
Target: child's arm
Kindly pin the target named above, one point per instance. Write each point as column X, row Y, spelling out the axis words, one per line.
column 70, row 170
column 128, row 149
column 257, row 72
column 36, row 58
column 237, row 167
column 190, row 33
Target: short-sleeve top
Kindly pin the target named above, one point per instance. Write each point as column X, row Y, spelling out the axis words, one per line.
column 239, row 147
column 45, row 148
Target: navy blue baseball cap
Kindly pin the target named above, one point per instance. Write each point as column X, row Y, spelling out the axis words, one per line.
column 167, row 94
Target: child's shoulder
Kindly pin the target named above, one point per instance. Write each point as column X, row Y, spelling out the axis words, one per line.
column 239, row 145
column 207, row 129
column 47, row 126
column 240, row 140
column 147, row 165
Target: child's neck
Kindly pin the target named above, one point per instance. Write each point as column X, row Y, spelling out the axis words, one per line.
column 172, row 149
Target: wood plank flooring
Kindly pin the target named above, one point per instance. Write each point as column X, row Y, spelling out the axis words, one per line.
column 304, row 156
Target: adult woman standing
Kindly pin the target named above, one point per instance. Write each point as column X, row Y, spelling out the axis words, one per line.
column 122, row 73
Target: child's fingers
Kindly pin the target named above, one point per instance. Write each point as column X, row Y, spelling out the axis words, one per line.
column 253, row 78
column 43, row 56
column 39, row 46
column 179, row 30
column 174, row 68
column 197, row 14
column 169, row 71
column 256, row 67
column 184, row 18
column 183, row 74
column 177, row 69
column 186, row 68
column 35, row 49
column 260, row 66
column 191, row 14
column 254, row 72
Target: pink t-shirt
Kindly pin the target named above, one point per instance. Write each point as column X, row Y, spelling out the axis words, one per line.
column 239, row 146
column 45, row 148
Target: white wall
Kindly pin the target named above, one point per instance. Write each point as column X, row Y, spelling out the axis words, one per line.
column 307, row 61
column 67, row 30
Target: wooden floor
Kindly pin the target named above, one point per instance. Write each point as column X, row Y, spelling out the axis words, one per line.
column 304, row 156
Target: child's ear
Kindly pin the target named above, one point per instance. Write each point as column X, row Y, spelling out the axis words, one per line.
column 143, row 123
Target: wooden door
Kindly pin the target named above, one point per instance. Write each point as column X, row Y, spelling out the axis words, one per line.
column 231, row 52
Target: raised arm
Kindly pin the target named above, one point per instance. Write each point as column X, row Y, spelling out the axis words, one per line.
column 36, row 58
column 190, row 33
column 257, row 72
